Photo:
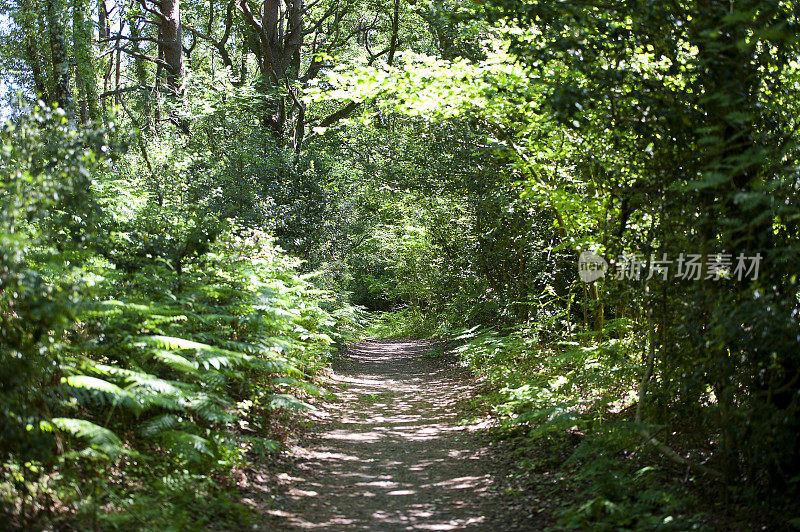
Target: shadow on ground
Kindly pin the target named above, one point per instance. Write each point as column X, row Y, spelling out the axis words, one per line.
column 390, row 453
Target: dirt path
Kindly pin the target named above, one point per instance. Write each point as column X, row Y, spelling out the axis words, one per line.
column 390, row 454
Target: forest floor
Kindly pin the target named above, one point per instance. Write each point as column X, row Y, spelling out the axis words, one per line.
column 392, row 452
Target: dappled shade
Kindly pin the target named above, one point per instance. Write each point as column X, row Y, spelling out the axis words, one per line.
column 391, row 454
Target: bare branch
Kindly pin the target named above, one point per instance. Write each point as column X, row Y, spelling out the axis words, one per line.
column 678, row 459
column 338, row 115
column 128, row 38
column 125, row 90
column 317, row 25
column 152, row 10
column 134, row 53
column 372, row 57
column 300, row 123
column 307, row 9
column 219, row 45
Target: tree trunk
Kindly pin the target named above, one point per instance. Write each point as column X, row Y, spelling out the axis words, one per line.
column 84, row 61
column 280, row 38
column 395, row 31
column 32, row 57
column 243, row 69
column 102, row 20
column 54, row 10
column 171, row 37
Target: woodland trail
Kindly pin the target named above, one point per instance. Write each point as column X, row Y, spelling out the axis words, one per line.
column 390, row 453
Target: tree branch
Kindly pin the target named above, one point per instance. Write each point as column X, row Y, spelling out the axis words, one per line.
column 140, row 55
column 219, row 45
column 125, row 90
column 335, row 117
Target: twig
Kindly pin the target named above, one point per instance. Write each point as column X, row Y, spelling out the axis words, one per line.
column 678, row 459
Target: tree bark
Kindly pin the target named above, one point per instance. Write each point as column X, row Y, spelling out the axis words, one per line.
column 171, row 37
column 102, row 20
column 32, row 56
column 54, row 11
column 279, row 35
column 84, row 61
column 395, row 30
column 140, row 71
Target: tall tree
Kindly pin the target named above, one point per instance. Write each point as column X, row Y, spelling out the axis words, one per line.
column 279, row 32
column 170, row 37
column 25, row 19
column 85, row 74
column 54, row 10
column 102, row 20
column 280, row 28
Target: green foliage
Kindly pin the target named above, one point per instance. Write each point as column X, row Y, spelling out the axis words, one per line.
column 443, row 164
column 179, row 355
column 652, row 130
column 545, row 388
column 625, row 501
column 47, row 218
column 246, row 322
column 98, row 438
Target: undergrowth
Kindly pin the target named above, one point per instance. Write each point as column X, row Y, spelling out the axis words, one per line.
column 157, row 390
column 147, row 348
column 407, row 322
column 568, row 410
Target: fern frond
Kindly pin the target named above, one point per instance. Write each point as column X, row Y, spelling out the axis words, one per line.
column 307, row 387
column 100, row 391
column 176, row 362
column 261, row 446
column 224, row 359
column 93, row 383
column 140, row 378
column 172, row 342
column 159, row 424
column 99, row 438
column 154, row 399
column 289, row 402
column 186, row 445
column 210, row 408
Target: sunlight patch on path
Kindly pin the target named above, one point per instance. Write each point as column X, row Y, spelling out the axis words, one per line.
column 390, row 453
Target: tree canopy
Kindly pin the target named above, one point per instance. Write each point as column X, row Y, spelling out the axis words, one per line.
column 202, row 203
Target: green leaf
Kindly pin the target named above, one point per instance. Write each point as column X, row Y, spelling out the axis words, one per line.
column 289, row 402
column 98, row 437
